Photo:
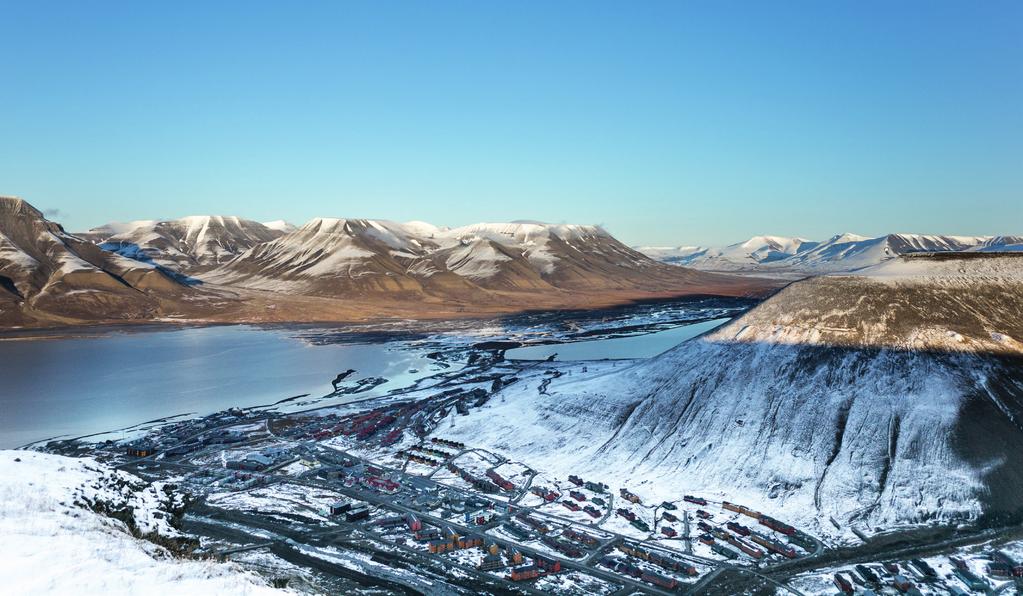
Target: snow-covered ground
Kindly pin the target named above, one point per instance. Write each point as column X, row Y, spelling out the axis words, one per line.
column 776, row 411
column 53, row 543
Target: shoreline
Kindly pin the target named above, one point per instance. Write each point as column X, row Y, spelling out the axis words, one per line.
column 107, row 327
column 618, row 323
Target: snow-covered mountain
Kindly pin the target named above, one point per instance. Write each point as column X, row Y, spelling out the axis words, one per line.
column 840, row 253
column 48, row 274
column 331, row 256
column 188, row 244
column 756, row 251
column 893, row 396
column 227, row 269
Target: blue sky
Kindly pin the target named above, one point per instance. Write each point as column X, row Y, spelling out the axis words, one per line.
column 669, row 123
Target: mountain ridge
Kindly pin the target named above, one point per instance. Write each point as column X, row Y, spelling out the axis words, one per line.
column 221, row 269
column 48, row 273
column 845, row 252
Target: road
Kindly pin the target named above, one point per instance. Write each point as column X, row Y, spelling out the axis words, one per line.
column 588, row 565
column 387, row 502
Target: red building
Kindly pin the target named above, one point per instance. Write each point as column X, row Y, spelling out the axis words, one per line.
column 519, row 574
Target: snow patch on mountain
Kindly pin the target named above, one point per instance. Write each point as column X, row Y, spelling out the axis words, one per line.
column 280, row 225
column 475, row 259
column 11, row 255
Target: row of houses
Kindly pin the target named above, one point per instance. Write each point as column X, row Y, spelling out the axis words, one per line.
column 480, row 484
column 500, row 481
column 545, row 493
column 627, row 568
column 541, row 566
column 659, row 559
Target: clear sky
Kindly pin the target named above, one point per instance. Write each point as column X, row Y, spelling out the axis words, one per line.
column 668, row 123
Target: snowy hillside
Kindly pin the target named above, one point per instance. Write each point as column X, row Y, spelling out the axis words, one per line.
column 744, row 255
column 840, row 253
column 328, row 255
column 55, row 543
column 886, row 398
column 187, row 244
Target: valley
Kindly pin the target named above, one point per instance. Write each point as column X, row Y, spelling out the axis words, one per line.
column 825, row 437
column 532, row 408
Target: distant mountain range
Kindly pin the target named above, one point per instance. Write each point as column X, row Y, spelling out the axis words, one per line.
column 842, row 253
column 218, row 268
column 328, row 256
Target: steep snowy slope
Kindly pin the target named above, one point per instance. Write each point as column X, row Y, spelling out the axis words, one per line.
column 54, row 543
column 49, row 274
column 841, row 253
column 184, row 245
column 892, row 396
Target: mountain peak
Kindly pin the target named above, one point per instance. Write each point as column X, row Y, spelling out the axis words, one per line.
column 17, row 205
column 280, row 225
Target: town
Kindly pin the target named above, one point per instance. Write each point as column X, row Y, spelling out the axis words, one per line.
column 373, row 494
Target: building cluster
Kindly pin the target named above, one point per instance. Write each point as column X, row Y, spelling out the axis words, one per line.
column 626, row 568
column 562, row 546
column 532, row 522
column 352, row 511
column 258, row 461
column 187, row 436
column 447, row 443
column 481, row 484
column 902, row 576
column 545, row 493
column 541, row 566
column 451, row 541
column 662, row 560
column 1004, row 566
column 415, row 457
column 500, row 481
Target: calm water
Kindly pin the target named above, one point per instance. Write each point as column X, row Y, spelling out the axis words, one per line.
column 85, row 385
column 637, row 346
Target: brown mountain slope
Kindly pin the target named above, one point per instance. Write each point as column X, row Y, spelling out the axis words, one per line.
column 52, row 276
column 331, row 257
column 329, row 270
